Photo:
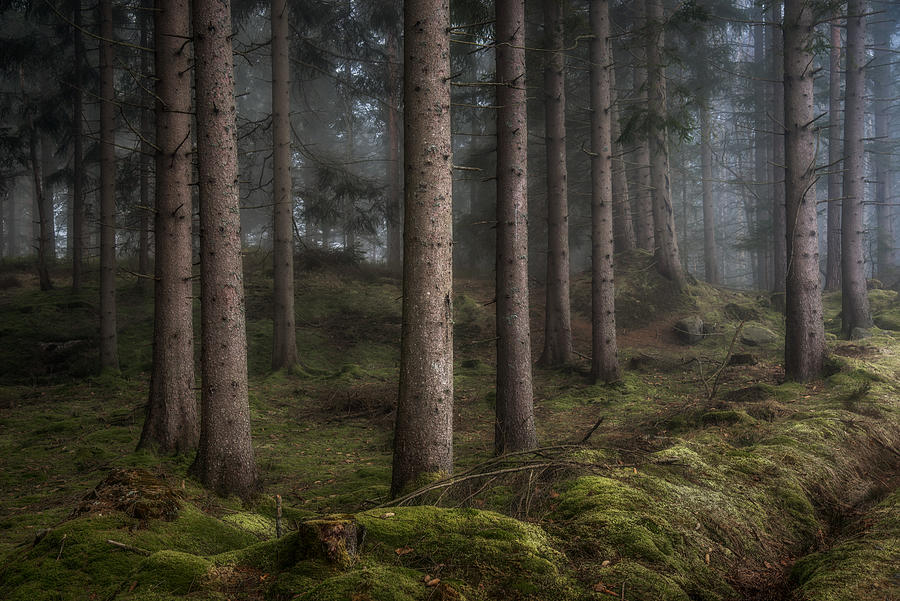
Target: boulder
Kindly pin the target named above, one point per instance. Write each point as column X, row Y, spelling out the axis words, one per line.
column 689, row 330
column 756, row 335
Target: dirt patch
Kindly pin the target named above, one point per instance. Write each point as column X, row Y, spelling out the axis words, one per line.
column 135, row 492
column 855, row 351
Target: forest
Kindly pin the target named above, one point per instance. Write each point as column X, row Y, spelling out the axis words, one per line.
column 421, row 300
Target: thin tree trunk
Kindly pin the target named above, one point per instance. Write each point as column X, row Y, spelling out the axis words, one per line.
column 77, row 232
column 284, row 335
column 558, row 324
column 668, row 261
column 779, row 248
column 395, row 165
column 41, row 207
column 854, row 297
column 623, row 227
column 884, row 211
column 48, row 218
column 710, row 256
column 173, row 420
column 146, row 134
column 641, row 191
column 761, row 171
column 804, row 344
column 835, row 156
column 604, row 360
column 423, row 434
column 514, row 427
column 109, row 354
column 225, row 460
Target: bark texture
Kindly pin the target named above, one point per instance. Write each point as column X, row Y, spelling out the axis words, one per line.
column 225, row 461
column 77, row 155
column 40, row 206
column 423, row 435
column 779, row 244
column 173, row 420
column 284, row 333
column 514, row 427
column 854, row 296
column 835, row 158
column 109, row 348
column 641, row 191
column 804, row 345
column 558, row 322
column 710, row 256
column 668, row 261
column 604, row 360
column 145, row 210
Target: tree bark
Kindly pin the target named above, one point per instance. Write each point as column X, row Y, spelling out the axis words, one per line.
column 394, row 168
column 173, row 421
column 623, row 227
column 48, row 219
column 284, row 333
column 225, row 460
column 835, row 156
column 40, row 205
column 779, row 248
column 514, row 427
column 761, row 171
column 423, row 435
column 604, row 360
column 668, row 261
column 710, row 256
column 77, row 156
column 804, row 345
column 641, row 191
column 109, row 353
column 558, row 323
column 884, row 211
column 144, row 211
column 854, row 296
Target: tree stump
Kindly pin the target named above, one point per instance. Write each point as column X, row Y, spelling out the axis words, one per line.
column 336, row 538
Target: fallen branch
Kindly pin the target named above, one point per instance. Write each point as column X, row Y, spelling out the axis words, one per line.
column 125, row 547
column 718, row 372
column 592, row 430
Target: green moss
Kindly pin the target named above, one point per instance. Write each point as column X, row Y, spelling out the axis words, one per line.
column 252, row 522
column 638, row 582
column 172, row 571
column 374, row 583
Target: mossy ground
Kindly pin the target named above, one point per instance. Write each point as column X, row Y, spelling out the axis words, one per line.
column 675, row 496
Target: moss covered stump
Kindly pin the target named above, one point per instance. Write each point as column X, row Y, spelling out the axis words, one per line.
column 334, row 538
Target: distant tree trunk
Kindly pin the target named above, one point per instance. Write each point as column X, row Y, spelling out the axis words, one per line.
column 668, row 261
column 710, row 256
column 284, row 335
column 173, row 420
column 558, row 324
column 604, row 360
column 145, row 209
column 854, row 297
column 835, row 155
column 623, row 227
column 77, row 232
column 779, row 248
column 48, row 231
column 761, row 171
column 395, row 165
column 804, row 344
column 12, row 232
column 423, row 434
column 225, row 461
column 884, row 211
column 641, row 191
column 41, row 208
column 514, row 428
column 109, row 353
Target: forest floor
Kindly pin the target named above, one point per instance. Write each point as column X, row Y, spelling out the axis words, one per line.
column 702, row 475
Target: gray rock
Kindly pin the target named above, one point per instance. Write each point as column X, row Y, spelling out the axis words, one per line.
column 689, row 330
column 756, row 335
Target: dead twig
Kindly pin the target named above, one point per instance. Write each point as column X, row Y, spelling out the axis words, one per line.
column 130, row 548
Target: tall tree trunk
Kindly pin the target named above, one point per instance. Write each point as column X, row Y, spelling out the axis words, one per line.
column 854, row 297
column 604, row 360
column 761, row 171
column 225, row 461
column 48, row 219
column 109, row 353
column 395, row 165
column 514, row 427
column 284, row 334
column 710, row 256
column 804, row 344
column 668, row 261
column 623, row 227
column 641, row 191
column 145, row 208
column 173, row 421
column 77, row 232
column 835, row 156
column 884, row 211
column 423, row 434
column 12, row 231
column 558, row 323
column 40, row 206
column 779, row 248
